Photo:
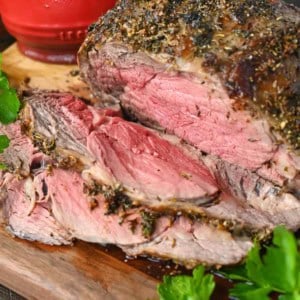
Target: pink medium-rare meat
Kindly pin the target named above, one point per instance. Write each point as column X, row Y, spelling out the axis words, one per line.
column 114, row 152
column 208, row 122
column 67, row 214
column 168, row 240
column 221, row 75
column 87, row 217
column 35, row 225
column 237, row 214
column 281, row 206
column 140, row 160
column 118, row 155
column 190, row 110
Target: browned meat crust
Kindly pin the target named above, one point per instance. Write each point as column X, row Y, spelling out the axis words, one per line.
column 252, row 45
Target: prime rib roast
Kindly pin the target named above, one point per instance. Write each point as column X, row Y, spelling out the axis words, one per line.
column 223, row 76
column 217, row 83
column 77, row 171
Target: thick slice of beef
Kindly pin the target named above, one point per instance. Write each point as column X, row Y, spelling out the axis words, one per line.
column 87, row 216
column 88, row 213
column 281, row 204
column 114, row 152
column 151, row 169
column 221, row 75
column 195, row 240
column 144, row 162
column 185, row 240
column 38, row 224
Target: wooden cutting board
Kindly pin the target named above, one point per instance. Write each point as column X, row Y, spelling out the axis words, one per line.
column 84, row 271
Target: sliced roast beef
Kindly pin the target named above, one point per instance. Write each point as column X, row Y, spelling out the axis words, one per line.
column 67, row 213
column 281, row 203
column 196, row 240
column 228, row 211
column 87, row 216
column 114, row 152
column 221, row 75
column 107, row 195
column 150, row 168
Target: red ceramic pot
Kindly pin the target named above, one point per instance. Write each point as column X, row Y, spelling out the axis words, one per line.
column 51, row 30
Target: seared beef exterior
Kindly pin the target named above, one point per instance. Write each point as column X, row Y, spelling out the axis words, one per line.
column 223, row 76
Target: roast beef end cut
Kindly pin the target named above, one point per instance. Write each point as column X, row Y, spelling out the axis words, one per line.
column 223, row 77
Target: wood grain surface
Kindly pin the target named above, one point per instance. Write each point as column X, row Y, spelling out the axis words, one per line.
column 24, row 72
column 83, row 271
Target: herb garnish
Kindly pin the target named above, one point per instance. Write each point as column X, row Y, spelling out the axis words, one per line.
column 4, row 142
column 183, row 287
column 267, row 269
column 148, row 223
column 9, row 102
column 9, row 106
column 278, row 270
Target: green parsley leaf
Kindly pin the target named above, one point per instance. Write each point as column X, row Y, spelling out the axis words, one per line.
column 4, row 84
column 9, row 102
column 280, row 262
column 294, row 296
column 9, row 106
column 182, row 287
column 4, row 142
column 277, row 270
column 3, row 167
column 246, row 291
column 235, row 273
column 254, row 266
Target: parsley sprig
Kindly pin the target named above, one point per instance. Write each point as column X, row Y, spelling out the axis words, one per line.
column 273, row 268
column 182, row 287
column 9, row 106
column 277, row 270
column 4, row 142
